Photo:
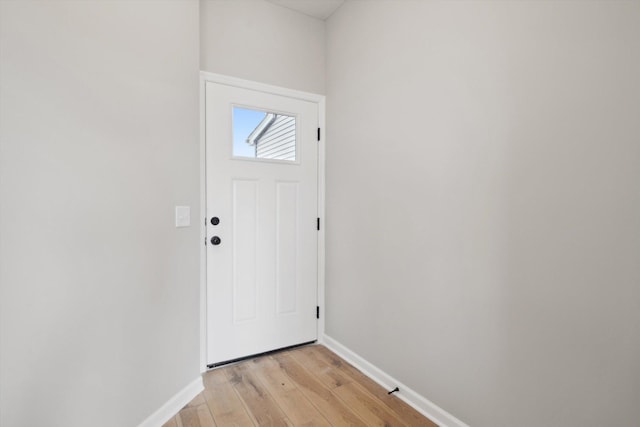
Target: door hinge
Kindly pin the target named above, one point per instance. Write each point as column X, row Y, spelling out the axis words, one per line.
column 317, row 311
column 318, row 224
column 318, row 134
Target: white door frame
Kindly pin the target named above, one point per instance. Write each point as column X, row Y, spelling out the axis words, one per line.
column 276, row 90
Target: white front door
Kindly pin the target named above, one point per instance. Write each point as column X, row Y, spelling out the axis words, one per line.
column 262, row 206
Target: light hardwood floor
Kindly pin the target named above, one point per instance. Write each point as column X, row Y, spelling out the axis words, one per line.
column 307, row 386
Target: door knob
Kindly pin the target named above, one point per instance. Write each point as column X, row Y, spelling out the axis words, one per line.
column 215, row 240
column 215, row 220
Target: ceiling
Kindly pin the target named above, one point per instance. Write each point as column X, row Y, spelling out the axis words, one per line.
column 320, row 9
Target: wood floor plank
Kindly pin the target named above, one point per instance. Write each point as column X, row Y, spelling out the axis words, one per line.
column 327, row 374
column 215, row 377
column 262, row 407
column 196, row 416
column 369, row 408
column 223, row 402
column 329, row 405
column 171, row 423
column 269, row 370
column 298, row 408
column 305, row 387
column 408, row 414
column 197, row 401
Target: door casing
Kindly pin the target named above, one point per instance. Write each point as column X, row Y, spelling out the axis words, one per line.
column 276, row 90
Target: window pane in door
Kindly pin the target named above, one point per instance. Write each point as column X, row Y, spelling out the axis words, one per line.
column 263, row 135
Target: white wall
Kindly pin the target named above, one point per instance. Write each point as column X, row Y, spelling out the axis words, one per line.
column 483, row 225
column 260, row 41
column 99, row 142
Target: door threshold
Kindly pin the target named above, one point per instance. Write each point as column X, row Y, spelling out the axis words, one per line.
column 266, row 353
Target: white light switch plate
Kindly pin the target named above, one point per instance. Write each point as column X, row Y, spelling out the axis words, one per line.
column 183, row 216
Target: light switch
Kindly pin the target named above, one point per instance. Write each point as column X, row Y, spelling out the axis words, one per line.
column 183, row 216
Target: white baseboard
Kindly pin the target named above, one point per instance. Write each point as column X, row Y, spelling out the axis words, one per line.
column 412, row 398
column 173, row 405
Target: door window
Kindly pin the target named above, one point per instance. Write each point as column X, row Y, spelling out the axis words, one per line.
column 261, row 134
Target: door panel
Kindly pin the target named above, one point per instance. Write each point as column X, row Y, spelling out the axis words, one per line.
column 245, row 236
column 262, row 276
column 286, row 246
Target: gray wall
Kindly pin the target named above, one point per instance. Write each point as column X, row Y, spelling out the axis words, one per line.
column 98, row 143
column 483, row 225
column 260, row 41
